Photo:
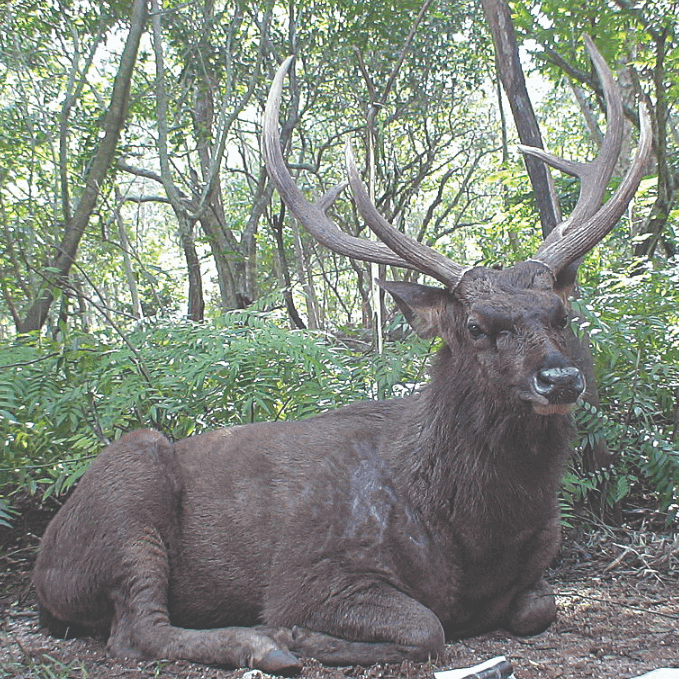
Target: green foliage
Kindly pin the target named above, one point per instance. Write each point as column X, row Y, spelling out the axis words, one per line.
column 633, row 325
column 61, row 401
column 6, row 513
column 41, row 665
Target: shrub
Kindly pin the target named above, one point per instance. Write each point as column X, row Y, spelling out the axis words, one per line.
column 61, row 401
column 633, row 325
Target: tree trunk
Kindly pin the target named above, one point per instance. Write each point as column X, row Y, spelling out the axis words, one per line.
column 305, row 278
column 196, row 301
column 668, row 182
column 284, row 271
column 499, row 18
column 60, row 265
column 223, row 244
column 127, row 260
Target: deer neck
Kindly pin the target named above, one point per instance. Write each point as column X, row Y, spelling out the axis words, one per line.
column 458, row 432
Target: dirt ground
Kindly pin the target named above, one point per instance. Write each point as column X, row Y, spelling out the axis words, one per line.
column 618, row 598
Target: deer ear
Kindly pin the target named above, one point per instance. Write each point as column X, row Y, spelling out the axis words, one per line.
column 420, row 304
column 565, row 280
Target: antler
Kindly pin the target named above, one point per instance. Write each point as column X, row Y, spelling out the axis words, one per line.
column 423, row 258
column 590, row 222
column 396, row 250
column 313, row 215
column 568, row 242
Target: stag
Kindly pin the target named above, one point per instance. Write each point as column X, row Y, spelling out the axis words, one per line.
column 373, row 532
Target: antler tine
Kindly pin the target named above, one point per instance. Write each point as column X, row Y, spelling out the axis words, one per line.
column 422, row 258
column 589, row 222
column 312, row 215
column 594, row 175
column 582, row 237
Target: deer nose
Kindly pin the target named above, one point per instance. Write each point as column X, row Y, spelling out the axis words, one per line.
column 559, row 384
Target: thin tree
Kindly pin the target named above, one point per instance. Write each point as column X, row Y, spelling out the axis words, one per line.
column 58, row 267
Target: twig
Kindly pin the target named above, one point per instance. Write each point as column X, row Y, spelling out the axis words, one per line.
column 618, row 560
column 619, row 604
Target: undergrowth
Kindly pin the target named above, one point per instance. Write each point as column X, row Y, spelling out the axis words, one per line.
column 62, row 400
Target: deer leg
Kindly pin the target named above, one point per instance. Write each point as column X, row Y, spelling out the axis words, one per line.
column 532, row 611
column 377, row 623
column 104, row 564
column 533, row 608
column 336, row 651
column 141, row 623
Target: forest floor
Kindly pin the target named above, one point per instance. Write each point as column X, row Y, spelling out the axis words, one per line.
column 617, row 593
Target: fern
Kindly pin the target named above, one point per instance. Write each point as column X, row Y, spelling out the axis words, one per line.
column 60, row 402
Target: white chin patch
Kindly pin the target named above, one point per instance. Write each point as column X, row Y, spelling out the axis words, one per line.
column 558, row 409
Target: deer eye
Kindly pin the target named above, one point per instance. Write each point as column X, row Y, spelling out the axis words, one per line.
column 563, row 321
column 475, row 330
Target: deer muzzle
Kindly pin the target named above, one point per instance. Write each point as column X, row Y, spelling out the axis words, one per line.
column 560, row 386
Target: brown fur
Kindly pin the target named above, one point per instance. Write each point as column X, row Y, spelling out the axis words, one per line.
column 361, row 535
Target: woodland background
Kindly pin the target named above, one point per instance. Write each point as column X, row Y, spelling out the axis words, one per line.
column 151, row 276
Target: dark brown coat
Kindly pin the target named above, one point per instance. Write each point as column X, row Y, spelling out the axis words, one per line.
column 383, row 523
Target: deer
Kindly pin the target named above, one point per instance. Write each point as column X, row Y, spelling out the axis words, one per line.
column 375, row 532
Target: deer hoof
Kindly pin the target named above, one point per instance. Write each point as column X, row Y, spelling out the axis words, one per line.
column 534, row 611
column 279, row 662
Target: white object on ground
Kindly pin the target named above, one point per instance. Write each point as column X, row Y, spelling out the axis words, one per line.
column 495, row 668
